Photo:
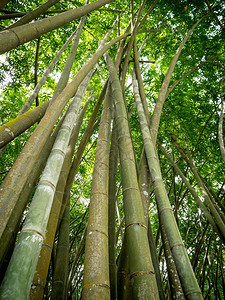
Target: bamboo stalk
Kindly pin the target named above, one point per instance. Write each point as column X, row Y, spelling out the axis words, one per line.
column 25, row 256
column 96, row 264
column 113, row 164
column 34, row 13
column 155, row 119
column 12, row 186
column 186, row 274
column 12, row 228
column 140, row 265
column 15, row 127
column 64, row 77
column 61, row 266
column 41, row 272
column 12, row 38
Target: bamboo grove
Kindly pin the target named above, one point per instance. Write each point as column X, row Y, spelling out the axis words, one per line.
column 111, row 149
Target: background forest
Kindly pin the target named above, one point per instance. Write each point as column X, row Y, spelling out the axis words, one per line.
column 111, row 149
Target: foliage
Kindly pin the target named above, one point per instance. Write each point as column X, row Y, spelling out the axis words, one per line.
column 190, row 113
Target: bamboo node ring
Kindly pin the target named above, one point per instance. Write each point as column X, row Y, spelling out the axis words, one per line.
column 165, row 208
column 141, row 273
column 47, row 182
column 130, row 188
column 137, row 224
column 99, row 231
column 194, row 292
column 176, row 245
column 33, row 230
column 96, row 284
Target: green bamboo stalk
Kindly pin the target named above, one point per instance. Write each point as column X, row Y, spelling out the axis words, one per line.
column 191, row 190
column 155, row 119
column 41, row 272
column 61, row 265
column 12, row 185
column 15, row 127
column 22, row 265
column 140, row 82
column 130, row 44
column 64, row 77
column 145, row 185
column 184, row 268
column 85, row 138
column 141, row 270
column 124, row 290
column 174, row 281
column 12, row 38
column 120, row 51
column 39, row 85
column 211, row 204
column 147, row 14
column 113, row 164
column 12, row 228
column 34, row 13
column 96, row 261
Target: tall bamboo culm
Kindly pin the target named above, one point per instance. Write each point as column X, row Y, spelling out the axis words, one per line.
column 96, row 262
column 140, row 265
column 184, row 268
column 41, row 272
column 20, row 272
column 113, row 164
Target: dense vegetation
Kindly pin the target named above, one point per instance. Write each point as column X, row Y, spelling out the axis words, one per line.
column 173, row 56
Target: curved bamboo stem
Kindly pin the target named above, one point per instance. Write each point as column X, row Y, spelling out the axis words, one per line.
column 155, row 119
